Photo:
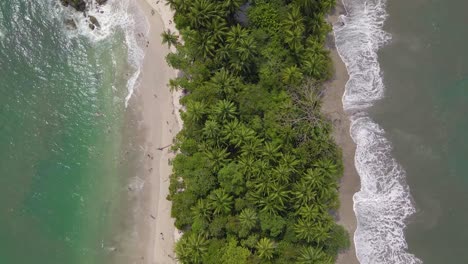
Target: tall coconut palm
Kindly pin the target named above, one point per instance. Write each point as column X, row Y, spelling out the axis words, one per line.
column 292, row 75
column 305, row 230
column 220, row 201
column 191, row 249
column 252, row 148
column 326, row 167
column 265, row 248
column 232, row 5
column 202, row 12
column 218, row 157
column 310, row 255
column 195, row 111
column 202, row 210
column 169, row 38
column 246, row 49
column 230, row 129
column 303, row 194
column 225, row 111
column 248, row 218
column 247, row 163
column 243, row 135
column 294, row 20
column 211, row 130
column 236, row 35
column 218, row 28
column 294, row 40
column 271, row 151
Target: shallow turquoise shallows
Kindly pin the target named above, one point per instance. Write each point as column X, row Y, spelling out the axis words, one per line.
column 61, row 104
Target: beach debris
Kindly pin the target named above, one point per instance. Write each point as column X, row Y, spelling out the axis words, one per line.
column 161, row 148
column 152, row 216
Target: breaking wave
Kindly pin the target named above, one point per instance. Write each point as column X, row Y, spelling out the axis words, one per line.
column 384, row 202
column 114, row 15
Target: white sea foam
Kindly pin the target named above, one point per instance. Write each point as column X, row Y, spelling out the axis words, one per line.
column 115, row 14
column 384, row 202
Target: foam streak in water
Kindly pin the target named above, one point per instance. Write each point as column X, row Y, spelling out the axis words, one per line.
column 384, row 202
column 115, row 14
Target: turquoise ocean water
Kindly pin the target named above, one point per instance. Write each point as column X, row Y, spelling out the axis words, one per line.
column 62, row 121
column 408, row 98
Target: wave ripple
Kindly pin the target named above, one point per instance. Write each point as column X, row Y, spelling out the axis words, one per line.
column 384, row 202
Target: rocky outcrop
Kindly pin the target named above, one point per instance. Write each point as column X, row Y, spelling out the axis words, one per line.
column 82, row 6
column 79, row 5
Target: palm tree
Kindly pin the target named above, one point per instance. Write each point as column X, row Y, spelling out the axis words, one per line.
column 211, row 129
column 310, row 255
column 292, row 75
column 219, row 29
column 201, row 210
column 282, row 174
column 274, row 202
column 247, row 163
column 248, row 218
column 246, row 49
column 294, row 20
column 303, row 194
column 205, row 46
column 169, row 38
column 271, row 151
column 202, row 12
column 192, row 249
column 225, row 82
column 294, row 39
column 309, row 212
column 252, row 147
column 218, row 157
column 220, row 201
column 242, row 136
column 265, row 248
column 232, row 5
column 312, row 231
column 305, row 229
column 195, row 111
column 230, row 129
column 326, row 167
column 307, row 6
column 235, row 35
column 225, row 111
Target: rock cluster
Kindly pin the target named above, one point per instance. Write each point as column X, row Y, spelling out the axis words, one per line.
column 80, row 6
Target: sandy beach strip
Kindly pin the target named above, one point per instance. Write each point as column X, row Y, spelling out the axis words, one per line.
column 159, row 110
column 333, row 109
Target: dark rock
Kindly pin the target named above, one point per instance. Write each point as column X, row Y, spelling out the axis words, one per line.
column 70, row 23
column 101, row 2
column 79, row 5
column 94, row 21
column 91, row 26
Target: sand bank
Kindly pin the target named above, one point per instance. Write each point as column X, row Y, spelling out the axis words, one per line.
column 333, row 109
column 159, row 118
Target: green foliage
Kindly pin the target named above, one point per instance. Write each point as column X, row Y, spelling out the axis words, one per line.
column 256, row 174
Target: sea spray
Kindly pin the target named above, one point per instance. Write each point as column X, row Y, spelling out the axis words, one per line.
column 124, row 15
column 383, row 203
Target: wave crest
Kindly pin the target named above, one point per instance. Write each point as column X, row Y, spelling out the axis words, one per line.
column 383, row 203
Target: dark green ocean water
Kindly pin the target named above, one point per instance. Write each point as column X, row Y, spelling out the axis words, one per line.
column 62, row 110
column 425, row 115
column 408, row 101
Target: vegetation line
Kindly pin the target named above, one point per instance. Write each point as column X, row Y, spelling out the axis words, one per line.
column 256, row 175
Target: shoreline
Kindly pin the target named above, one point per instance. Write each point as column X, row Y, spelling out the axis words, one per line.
column 159, row 122
column 333, row 109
